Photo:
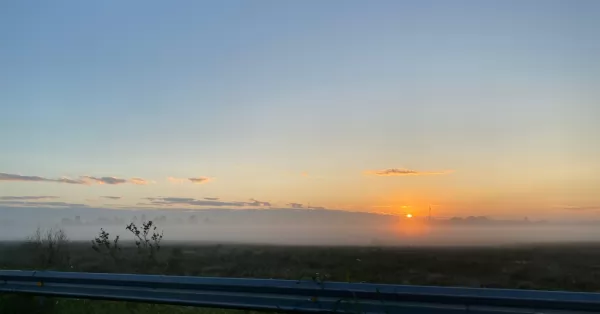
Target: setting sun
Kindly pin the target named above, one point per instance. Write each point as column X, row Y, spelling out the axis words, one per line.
column 409, row 215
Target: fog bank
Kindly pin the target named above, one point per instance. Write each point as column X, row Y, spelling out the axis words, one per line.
column 293, row 227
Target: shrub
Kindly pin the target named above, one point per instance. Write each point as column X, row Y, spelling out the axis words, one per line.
column 51, row 247
column 103, row 245
column 147, row 243
column 147, row 240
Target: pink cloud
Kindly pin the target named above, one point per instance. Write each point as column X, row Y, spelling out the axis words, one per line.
column 404, row 172
column 200, row 180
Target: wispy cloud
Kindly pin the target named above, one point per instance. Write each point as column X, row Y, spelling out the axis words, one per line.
column 139, row 181
column 81, row 180
column 176, row 199
column 112, row 197
column 580, row 208
column 207, row 201
column 43, row 204
column 196, row 180
column 17, row 177
column 404, row 172
column 200, row 180
column 254, row 202
column 105, row 180
column 69, row 181
column 190, row 201
column 25, row 198
column 298, row 205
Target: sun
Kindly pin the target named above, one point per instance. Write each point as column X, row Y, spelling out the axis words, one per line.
column 409, row 215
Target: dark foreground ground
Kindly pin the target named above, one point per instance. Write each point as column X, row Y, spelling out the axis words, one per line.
column 573, row 267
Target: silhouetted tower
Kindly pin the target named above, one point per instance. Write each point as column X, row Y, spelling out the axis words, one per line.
column 429, row 218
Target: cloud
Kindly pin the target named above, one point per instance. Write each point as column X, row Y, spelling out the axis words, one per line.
column 69, row 181
column 34, row 204
column 15, row 198
column 316, row 207
column 17, row 177
column 207, row 201
column 200, row 180
column 177, row 199
column 404, row 172
column 295, row 205
column 138, row 181
column 197, row 180
column 112, row 197
column 105, row 180
column 81, row 180
column 254, row 202
column 578, row 208
column 191, row 201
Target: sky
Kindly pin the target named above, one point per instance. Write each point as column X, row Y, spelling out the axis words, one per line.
column 468, row 107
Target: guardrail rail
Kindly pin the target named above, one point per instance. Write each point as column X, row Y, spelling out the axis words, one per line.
column 293, row 296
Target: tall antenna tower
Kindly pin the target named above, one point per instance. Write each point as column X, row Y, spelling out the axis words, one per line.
column 429, row 218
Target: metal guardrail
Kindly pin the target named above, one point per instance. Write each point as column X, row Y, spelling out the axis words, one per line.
column 293, row 296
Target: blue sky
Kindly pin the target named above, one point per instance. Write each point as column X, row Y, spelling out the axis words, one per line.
column 295, row 101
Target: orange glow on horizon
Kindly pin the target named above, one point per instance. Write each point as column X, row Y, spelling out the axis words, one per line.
column 402, row 202
column 412, row 227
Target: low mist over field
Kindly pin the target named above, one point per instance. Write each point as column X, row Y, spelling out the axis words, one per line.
column 295, row 227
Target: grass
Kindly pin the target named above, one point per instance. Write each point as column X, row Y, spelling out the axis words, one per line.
column 574, row 267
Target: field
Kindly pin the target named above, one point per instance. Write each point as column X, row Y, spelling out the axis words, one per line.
column 573, row 267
